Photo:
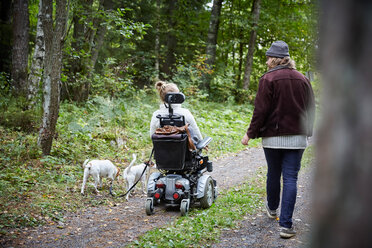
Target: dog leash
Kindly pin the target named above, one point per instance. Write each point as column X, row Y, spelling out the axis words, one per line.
column 143, row 172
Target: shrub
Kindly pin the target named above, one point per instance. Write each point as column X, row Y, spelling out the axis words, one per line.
column 16, row 115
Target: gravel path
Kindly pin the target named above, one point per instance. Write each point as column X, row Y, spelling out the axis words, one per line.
column 260, row 231
column 122, row 223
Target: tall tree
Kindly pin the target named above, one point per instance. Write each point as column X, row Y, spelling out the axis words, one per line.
column 107, row 5
column 90, row 21
column 5, row 35
column 252, row 41
column 170, row 59
column 37, row 59
column 21, row 27
column 84, row 29
column 342, row 187
column 157, row 41
column 212, row 38
column 54, row 38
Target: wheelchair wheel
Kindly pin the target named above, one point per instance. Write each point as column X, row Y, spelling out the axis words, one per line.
column 149, row 206
column 207, row 200
column 185, row 206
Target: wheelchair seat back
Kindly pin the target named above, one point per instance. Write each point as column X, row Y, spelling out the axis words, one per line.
column 171, row 151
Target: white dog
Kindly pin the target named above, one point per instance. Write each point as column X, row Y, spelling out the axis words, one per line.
column 133, row 173
column 99, row 169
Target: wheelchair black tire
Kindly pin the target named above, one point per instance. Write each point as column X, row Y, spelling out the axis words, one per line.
column 207, row 200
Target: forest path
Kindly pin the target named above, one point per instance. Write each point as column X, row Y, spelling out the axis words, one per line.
column 120, row 224
column 257, row 230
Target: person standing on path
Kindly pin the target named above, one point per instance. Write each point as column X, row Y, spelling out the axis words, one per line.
column 283, row 116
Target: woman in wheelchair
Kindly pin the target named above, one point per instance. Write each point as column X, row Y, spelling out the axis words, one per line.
column 163, row 88
column 181, row 180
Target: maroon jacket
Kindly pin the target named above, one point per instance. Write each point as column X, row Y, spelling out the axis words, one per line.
column 284, row 105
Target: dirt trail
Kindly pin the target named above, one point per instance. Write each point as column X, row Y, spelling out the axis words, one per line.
column 260, row 231
column 118, row 225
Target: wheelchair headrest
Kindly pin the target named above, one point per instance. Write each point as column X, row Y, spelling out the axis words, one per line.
column 172, row 98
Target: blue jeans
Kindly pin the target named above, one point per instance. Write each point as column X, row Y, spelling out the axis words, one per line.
column 286, row 162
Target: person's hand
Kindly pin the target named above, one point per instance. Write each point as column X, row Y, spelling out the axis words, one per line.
column 245, row 139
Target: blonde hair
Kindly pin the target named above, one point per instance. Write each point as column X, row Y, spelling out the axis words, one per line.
column 286, row 61
column 163, row 88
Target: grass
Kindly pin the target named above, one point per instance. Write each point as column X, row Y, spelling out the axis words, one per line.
column 202, row 227
column 36, row 190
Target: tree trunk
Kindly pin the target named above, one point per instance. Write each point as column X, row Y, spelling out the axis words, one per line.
column 157, row 41
column 90, row 40
column 37, row 60
column 240, row 66
column 342, row 187
column 212, row 40
column 170, row 61
column 82, row 41
column 52, row 70
column 5, row 35
column 100, row 36
column 232, row 35
column 21, row 26
column 252, row 40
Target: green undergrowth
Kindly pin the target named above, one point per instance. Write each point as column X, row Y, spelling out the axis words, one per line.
column 38, row 189
column 202, row 227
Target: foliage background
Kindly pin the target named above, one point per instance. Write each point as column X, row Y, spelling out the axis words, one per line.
column 113, row 121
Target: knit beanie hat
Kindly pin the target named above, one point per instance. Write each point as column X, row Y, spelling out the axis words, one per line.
column 279, row 49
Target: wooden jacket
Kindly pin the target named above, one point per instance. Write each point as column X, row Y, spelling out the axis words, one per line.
column 284, row 105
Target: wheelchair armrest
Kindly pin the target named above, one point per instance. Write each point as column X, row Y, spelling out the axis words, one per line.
column 203, row 143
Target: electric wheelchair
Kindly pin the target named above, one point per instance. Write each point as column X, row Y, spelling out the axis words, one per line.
column 181, row 180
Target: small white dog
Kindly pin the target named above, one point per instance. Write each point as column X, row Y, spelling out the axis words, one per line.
column 99, row 169
column 133, row 173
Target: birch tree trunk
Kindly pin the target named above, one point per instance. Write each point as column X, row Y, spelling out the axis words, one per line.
column 52, row 70
column 343, row 180
column 21, row 27
column 252, row 40
column 212, row 39
column 37, row 59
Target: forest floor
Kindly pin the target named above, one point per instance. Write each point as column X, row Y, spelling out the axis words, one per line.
column 121, row 223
